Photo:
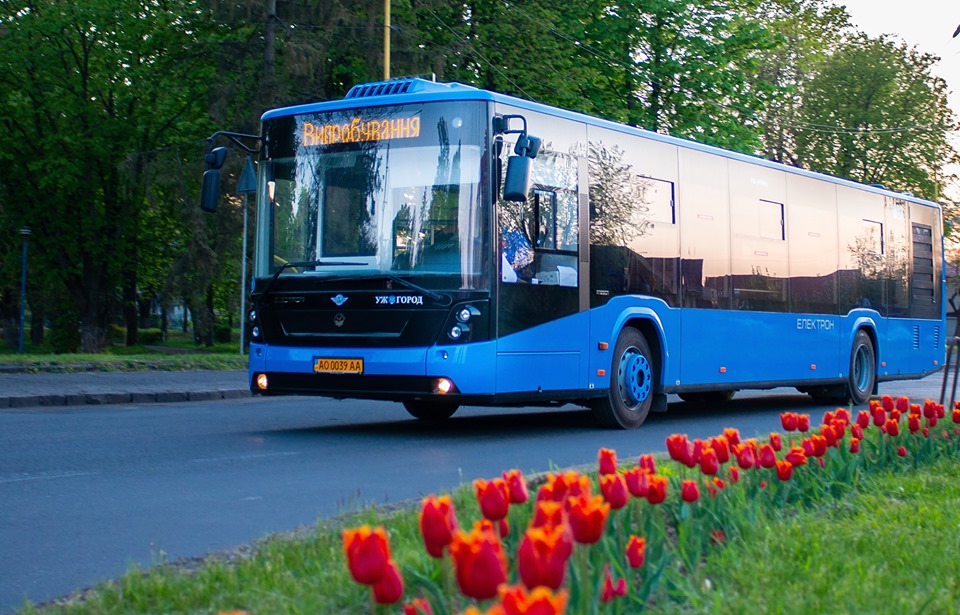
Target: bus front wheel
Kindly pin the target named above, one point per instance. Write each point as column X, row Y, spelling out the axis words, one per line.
column 430, row 410
column 630, row 395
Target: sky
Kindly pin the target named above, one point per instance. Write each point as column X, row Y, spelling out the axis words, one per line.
column 927, row 24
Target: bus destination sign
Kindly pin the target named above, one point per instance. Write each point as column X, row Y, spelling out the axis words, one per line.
column 358, row 131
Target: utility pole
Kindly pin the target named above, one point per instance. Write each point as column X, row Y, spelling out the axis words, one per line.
column 386, row 40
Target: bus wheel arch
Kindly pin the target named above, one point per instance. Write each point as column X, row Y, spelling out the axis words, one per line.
column 633, row 378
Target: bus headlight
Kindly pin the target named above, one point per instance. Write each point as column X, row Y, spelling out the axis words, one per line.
column 456, row 332
column 463, row 315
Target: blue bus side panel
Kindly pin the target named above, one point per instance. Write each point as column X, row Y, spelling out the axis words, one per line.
column 913, row 347
column 469, row 366
column 546, row 357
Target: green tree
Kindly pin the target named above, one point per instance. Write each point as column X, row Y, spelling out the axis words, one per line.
column 874, row 112
column 87, row 91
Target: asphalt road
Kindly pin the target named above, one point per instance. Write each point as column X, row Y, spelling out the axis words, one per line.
column 87, row 492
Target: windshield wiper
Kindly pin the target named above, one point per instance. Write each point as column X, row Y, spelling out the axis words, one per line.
column 444, row 299
column 317, row 263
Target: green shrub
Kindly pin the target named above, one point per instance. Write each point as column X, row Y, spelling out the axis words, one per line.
column 117, row 333
column 65, row 334
column 151, row 336
column 222, row 333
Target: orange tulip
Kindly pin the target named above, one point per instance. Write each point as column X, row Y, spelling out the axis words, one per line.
column 389, row 589
column 614, row 490
column 494, row 498
column 722, row 447
column 516, row 487
column 561, row 487
column 539, row 601
column 796, row 456
column 776, row 442
column 437, row 524
column 367, row 553
column 745, row 456
column 542, row 556
column 732, row 435
column 689, row 492
column 854, row 445
column 588, row 518
column 788, row 420
column 636, row 551
column 607, row 460
column 479, row 561
column 547, row 513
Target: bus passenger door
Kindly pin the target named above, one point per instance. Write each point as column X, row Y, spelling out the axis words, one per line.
column 539, row 345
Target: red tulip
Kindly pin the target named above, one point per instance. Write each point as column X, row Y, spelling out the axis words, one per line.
column 932, row 421
column 709, row 463
column 734, row 475
column 367, row 553
column 913, row 423
column 879, row 417
column 903, row 404
column 437, row 524
column 657, row 492
column 892, row 428
column 915, row 408
column 610, row 589
column 776, row 442
column 689, row 491
column 516, row 487
column 588, row 518
column 607, row 461
column 389, row 589
column 854, row 445
column 955, row 415
column 638, row 481
column 827, row 417
column 886, row 402
column 417, row 606
column 539, row 601
column 480, row 563
column 494, row 498
column 614, row 490
column 788, row 420
column 768, row 458
column 745, row 457
column 829, row 435
column 784, row 470
column 720, row 445
column 863, row 419
column 542, row 556
column 678, row 446
column 819, row 445
column 902, row 451
column 803, row 422
column 647, row 463
column 842, row 414
column 796, row 456
column 718, row 537
column 636, row 551
column 561, row 487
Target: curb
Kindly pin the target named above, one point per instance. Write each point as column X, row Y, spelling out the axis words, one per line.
column 104, row 399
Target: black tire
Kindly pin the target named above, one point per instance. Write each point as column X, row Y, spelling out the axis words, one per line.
column 631, row 393
column 863, row 369
column 708, row 397
column 430, row 410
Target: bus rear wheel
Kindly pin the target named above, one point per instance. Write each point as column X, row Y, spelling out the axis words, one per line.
column 630, row 395
column 430, row 410
column 863, row 369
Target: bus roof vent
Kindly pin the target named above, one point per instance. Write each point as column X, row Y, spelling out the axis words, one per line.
column 400, row 86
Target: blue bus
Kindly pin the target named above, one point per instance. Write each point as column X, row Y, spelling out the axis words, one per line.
column 440, row 245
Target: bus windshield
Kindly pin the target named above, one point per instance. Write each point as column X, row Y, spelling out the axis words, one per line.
column 368, row 192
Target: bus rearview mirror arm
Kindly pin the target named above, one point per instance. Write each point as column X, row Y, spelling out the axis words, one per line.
column 214, row 159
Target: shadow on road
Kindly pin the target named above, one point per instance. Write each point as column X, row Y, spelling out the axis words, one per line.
column 473, row 422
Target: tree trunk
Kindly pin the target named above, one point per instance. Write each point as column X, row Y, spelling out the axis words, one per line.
column 208, row 333
column 130, row 306
column 36, row 323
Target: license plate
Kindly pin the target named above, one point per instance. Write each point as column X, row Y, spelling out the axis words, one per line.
column 323, row 365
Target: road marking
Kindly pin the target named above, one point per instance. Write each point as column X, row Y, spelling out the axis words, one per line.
column 243, row 457
column 19, row 478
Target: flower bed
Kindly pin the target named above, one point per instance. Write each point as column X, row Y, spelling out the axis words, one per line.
column 602, row 544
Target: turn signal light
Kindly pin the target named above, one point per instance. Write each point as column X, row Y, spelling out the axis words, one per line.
column 262, row 382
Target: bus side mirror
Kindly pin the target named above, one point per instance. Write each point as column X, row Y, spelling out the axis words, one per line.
column 210, row 190
column 516, row 186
